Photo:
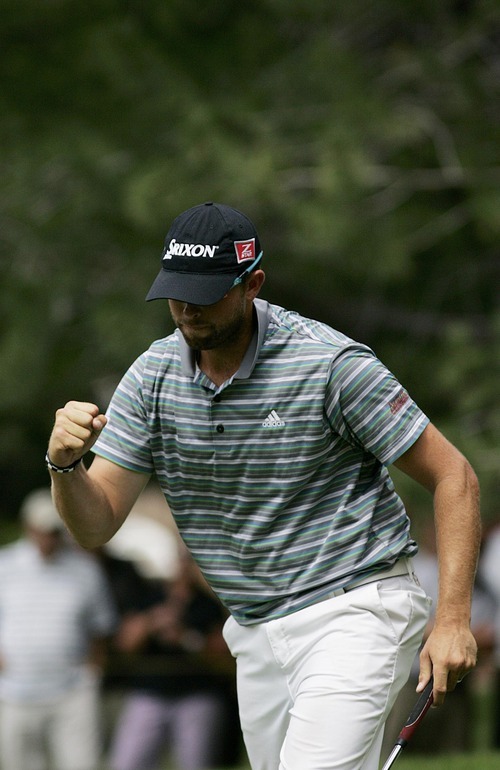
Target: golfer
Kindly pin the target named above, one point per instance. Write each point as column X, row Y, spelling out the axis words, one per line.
column 270, row 435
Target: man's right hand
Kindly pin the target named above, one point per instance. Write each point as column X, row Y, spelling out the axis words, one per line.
column 76, row 429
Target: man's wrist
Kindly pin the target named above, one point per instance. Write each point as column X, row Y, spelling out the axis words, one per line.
column 61, row 468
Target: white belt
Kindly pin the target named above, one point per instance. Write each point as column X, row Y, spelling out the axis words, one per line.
column 403, row 566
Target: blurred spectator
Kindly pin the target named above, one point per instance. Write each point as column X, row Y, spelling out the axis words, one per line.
column 489, row 572
column 130, row 590
column 449, row 728
column 56, row 615
column 128, row 587
column 175, row 703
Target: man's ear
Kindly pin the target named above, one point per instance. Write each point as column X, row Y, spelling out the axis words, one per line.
column 254, row 283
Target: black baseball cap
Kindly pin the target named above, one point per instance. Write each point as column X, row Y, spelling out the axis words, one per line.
column 207, row 249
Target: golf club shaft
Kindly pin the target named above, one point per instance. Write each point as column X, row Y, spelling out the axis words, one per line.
column 418, row 712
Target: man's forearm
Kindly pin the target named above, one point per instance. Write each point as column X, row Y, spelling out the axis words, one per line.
column 84, row 507
column 450, row 651
column 458, row 533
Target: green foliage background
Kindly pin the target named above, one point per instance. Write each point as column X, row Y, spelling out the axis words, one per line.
column 363, row 139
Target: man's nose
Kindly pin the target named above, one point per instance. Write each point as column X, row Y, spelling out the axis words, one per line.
column 191, row 311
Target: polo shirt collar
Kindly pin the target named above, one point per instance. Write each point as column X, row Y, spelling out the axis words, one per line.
column 263, row 314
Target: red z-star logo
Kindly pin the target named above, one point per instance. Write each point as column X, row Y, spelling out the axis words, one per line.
column 245, row 250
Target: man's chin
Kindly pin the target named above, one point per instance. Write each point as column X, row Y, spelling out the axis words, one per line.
column 197, row 341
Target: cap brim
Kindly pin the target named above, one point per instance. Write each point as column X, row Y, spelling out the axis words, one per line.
column 194, row 288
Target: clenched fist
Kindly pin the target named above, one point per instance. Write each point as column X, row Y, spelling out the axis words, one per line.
column 76, row 429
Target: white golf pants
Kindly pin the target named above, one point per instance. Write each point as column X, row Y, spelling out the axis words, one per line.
column 315, row 687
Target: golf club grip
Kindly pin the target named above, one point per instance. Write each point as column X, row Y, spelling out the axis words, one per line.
column 418, row 712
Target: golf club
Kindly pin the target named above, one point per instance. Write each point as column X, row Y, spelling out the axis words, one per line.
column 418, row 712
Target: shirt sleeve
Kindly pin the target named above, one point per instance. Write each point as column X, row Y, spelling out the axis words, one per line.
column 369, row 408
column 125, row 439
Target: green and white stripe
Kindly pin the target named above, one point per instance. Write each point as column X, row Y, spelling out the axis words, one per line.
column 277, row 480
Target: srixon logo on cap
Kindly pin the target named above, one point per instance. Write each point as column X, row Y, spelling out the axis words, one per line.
column 245, row 250
column 175, row 249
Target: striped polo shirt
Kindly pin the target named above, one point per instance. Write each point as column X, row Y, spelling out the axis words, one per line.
column 277, row 479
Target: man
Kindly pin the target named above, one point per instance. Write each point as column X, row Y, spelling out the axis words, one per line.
column 55, row 618
column 270, row 434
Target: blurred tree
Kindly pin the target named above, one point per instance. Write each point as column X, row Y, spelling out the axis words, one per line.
column 363, row 138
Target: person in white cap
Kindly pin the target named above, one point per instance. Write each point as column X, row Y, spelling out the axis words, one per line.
column 56, row 615
column 270, row 435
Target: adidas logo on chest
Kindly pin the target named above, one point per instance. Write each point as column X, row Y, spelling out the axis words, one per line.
column 273, row 420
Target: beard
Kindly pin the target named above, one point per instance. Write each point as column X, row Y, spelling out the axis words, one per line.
column 200, row 335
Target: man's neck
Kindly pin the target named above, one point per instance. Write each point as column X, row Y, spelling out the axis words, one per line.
column 220, row 364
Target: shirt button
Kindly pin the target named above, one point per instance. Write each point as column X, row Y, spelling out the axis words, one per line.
column 220, row 428
column 217, row 397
